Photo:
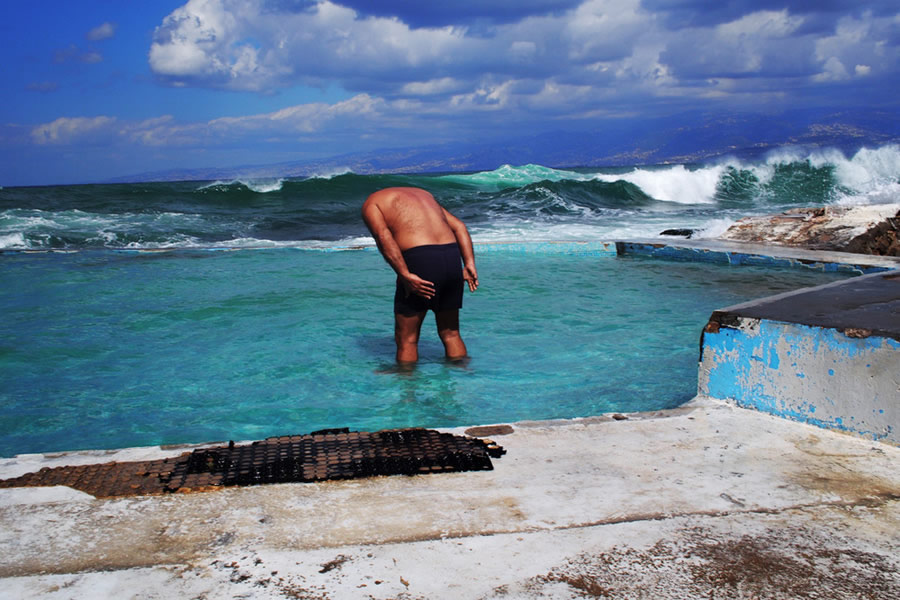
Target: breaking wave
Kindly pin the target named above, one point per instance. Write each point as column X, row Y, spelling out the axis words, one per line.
column 527, row 202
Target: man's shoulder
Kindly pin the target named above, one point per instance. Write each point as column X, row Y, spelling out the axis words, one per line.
column 382, row 197
column 395, row 197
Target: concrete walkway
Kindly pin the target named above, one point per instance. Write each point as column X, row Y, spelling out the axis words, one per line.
column 704, row 501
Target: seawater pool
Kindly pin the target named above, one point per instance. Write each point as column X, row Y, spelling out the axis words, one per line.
column 104, row 349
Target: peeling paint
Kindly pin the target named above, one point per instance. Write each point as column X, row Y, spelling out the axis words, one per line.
column 835, row 381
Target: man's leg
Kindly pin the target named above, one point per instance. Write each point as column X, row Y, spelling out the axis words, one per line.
column 406, row 334
column 448, row 330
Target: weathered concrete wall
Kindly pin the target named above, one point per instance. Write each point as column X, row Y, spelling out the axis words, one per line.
column 813, row 374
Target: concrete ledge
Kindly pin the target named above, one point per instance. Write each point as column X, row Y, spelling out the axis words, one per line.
column 743, row 253
column 707, row 500
column 828, row 356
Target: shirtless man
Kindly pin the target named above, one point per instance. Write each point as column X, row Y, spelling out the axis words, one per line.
column 424, row 244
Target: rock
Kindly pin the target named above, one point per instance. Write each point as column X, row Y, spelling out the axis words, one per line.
column 882, row 239
column 871, row 229
column 686, row 233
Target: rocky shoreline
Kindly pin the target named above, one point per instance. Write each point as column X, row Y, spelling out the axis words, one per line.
column 872, row 229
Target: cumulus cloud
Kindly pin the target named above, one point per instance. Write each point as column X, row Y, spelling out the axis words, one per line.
column 432, row 86
column 777, row 54
column 402, row 50
column 69, row 130
column 467, row 12
column 302, row 118
column 235, row 44
column 257, row 45
column 293, row 122
column 410, row 66
column 605, row 29
column 103, row 31
column 865, row 44
column 755, row 44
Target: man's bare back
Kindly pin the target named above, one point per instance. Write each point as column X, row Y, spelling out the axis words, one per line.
column 403, row 219
column 413, row 216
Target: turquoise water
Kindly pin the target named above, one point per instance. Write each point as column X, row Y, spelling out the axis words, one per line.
column 102, row 349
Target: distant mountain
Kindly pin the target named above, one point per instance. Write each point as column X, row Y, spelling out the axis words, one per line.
column 684, row 138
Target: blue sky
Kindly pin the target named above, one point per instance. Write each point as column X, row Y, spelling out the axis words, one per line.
column 102, row 88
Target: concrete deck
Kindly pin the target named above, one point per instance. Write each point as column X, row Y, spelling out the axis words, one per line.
column 707, row 500
column 870, row 303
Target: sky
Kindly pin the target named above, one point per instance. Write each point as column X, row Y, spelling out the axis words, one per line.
column 97, row 89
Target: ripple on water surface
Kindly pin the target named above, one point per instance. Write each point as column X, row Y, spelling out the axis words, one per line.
column 104, row 349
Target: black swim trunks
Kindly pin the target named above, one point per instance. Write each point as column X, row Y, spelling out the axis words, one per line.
column 441, row 264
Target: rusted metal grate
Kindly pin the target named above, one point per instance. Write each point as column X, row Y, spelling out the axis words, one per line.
column 318, row 456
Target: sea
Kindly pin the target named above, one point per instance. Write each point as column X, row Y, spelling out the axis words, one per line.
column 138, row 314
column 511, row 203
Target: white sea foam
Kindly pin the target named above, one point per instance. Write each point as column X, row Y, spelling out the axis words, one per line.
column 13, row 241
column 249, row 243
column 264, row 187
column 260, row 186
column 671, row 184
column 215, row 184
column 331, row 174
column 871, row 176
column 713, row 228
column 364, row 240
column 674, row 184
column 541, row 231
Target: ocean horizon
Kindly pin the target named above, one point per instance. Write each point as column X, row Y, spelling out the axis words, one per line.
column 511, row 203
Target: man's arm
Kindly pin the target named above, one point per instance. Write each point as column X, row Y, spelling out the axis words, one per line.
column 389, row 249
column 464, row 241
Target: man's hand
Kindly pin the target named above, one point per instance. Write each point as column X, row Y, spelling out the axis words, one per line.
column 418, row 286
column 471, row 277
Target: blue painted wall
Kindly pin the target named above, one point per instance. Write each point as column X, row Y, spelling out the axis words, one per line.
column 810, row 374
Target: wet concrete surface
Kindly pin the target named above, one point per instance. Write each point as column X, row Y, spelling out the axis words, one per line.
column 866, row 305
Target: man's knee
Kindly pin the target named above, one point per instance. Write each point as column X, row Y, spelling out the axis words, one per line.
column 449, row 335
column 454, row 346
column 448, row 331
